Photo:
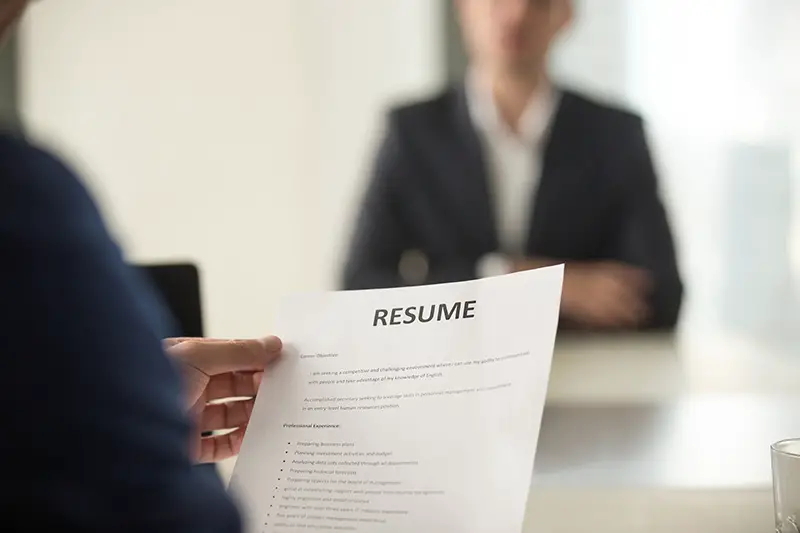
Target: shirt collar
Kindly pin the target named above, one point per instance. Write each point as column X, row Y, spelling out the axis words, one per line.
column 534, row 123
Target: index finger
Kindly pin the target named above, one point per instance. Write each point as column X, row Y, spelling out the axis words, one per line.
column 233, row 385
column 214, row 357
column 172, row 341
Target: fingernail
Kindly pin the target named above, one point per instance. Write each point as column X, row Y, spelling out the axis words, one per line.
column 273, row 344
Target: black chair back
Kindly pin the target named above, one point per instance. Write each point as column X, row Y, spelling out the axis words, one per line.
column 178, row 285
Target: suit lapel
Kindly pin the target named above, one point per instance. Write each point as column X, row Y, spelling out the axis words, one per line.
column 564, row 163
column 470, row 185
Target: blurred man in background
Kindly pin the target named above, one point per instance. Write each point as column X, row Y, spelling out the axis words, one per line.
column 509, row 172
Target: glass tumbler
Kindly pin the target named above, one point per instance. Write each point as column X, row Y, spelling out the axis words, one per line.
column 786, row 485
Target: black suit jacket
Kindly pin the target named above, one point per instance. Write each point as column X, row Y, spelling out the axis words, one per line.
column 597, row 198
column 96, row 433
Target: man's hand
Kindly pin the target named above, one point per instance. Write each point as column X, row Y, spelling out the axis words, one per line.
column 216, row 372
column 605, row 294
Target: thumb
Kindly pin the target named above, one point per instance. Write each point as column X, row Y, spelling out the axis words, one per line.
column 214, row 357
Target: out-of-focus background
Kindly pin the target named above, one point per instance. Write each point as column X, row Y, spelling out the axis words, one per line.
column 238, row 136
column 234, row 136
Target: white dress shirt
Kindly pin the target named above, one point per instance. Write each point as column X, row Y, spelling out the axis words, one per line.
column 514, row 165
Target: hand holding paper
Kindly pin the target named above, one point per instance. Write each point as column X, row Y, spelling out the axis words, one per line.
column 403, row 410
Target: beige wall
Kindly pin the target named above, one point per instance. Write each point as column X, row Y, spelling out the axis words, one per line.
column 230, row 133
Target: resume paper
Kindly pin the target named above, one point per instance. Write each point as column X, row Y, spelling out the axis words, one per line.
column 402, row 410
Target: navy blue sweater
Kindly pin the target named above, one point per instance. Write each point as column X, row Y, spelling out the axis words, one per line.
column 95, row 436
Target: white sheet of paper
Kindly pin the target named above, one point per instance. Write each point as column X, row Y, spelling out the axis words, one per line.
column 412, row 426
